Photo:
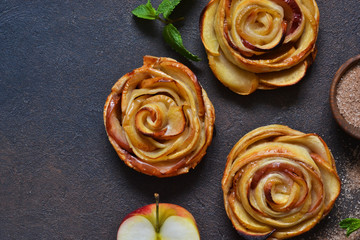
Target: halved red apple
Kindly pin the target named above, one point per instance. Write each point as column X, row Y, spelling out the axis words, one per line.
column 159, row 221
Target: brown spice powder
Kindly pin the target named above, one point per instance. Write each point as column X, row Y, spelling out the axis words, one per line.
column 348, row 96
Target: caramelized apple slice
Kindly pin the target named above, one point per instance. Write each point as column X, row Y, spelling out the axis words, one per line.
column 283, row 78
column 238, row 80
column 208, row 35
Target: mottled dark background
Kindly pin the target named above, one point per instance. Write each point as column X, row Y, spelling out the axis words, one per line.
column 59, row 176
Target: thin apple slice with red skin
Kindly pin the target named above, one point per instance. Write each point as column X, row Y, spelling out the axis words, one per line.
column 294, row 17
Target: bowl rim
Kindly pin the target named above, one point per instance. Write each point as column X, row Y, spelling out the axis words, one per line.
column 345, row 125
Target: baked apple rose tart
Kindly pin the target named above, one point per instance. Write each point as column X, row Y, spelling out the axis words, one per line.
column 259, row 44
column 159, row 119
column 279, row 183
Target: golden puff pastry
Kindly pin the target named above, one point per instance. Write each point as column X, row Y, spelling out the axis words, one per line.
column 259, row 44
column 279, row 183
column 159, row 119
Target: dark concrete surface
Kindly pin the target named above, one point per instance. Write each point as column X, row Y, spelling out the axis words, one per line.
column 59, row 176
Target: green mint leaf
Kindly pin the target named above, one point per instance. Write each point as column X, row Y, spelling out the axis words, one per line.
column 173, row 38
column 145, row 11
column 350, row 224
column 167, row 6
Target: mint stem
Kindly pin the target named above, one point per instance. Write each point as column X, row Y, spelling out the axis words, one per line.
column 175, row 20
column 168, row 20
column 165, row 21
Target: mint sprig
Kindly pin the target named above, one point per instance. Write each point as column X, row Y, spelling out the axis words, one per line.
column 173, row 38
column 350, row 224
column 146, row 11
column 167, row 6
column 170, row 33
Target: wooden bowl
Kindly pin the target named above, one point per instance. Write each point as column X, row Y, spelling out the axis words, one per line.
column 350, row 129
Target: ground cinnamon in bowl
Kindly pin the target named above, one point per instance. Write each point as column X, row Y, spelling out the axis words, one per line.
column 348, row 95
column 345, row 96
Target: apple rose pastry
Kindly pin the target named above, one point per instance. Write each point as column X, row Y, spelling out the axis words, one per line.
column 278, row 183
column 259, row 44
column 159, row 119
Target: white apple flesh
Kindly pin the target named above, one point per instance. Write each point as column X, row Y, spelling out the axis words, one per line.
column 136, row 227
column 162, row 221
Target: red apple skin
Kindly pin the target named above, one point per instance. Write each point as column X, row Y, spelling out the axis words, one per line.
column 149, row 210
column 143, row 211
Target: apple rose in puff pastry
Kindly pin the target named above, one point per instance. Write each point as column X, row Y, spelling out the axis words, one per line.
column 259, row 44
column 159, row 119
column 278, row 183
